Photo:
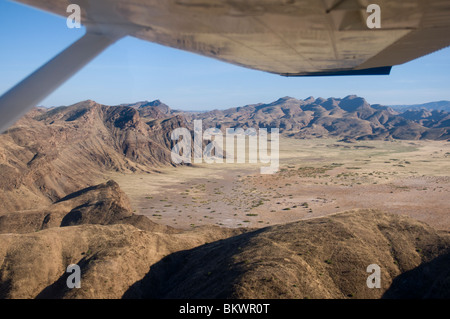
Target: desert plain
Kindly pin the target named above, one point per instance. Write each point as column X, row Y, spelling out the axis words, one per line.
column 316, row 177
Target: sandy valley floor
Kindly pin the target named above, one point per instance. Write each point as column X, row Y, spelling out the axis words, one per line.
column 317, row 177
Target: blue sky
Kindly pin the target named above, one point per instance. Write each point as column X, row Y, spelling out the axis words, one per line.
column 134, row 70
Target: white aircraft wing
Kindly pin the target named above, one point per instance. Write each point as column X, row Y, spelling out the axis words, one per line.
column 286, row 37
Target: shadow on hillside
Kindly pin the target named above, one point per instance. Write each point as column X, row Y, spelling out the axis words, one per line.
column 205, row 272
column 77, row 193
column 59, row 288
column 428, row 280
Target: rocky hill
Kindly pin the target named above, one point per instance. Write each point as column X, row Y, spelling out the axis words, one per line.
column 49, row 154
column 103, row 204
column 96, row 229
column 319, row 258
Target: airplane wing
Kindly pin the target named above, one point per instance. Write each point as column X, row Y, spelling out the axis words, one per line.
column 286, row 37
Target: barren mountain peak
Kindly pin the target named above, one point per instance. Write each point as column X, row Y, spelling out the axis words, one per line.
column 155, row 103
column 86, row 103
column 320, row 100
column 285, row 98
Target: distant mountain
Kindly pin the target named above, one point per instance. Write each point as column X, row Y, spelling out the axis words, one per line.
column 439, row 106
column 351, row 118
column 154, row 109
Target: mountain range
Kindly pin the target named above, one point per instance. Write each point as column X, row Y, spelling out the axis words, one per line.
column 350, row 118
column 50, row 153
column 57, row 209
column 430, row 106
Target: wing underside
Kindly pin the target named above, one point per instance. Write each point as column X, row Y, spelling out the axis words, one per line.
column 296, row 37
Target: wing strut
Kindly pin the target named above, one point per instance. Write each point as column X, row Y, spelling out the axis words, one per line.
column 33, row 89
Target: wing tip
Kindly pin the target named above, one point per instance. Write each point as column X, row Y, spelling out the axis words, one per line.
column 383, row 70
